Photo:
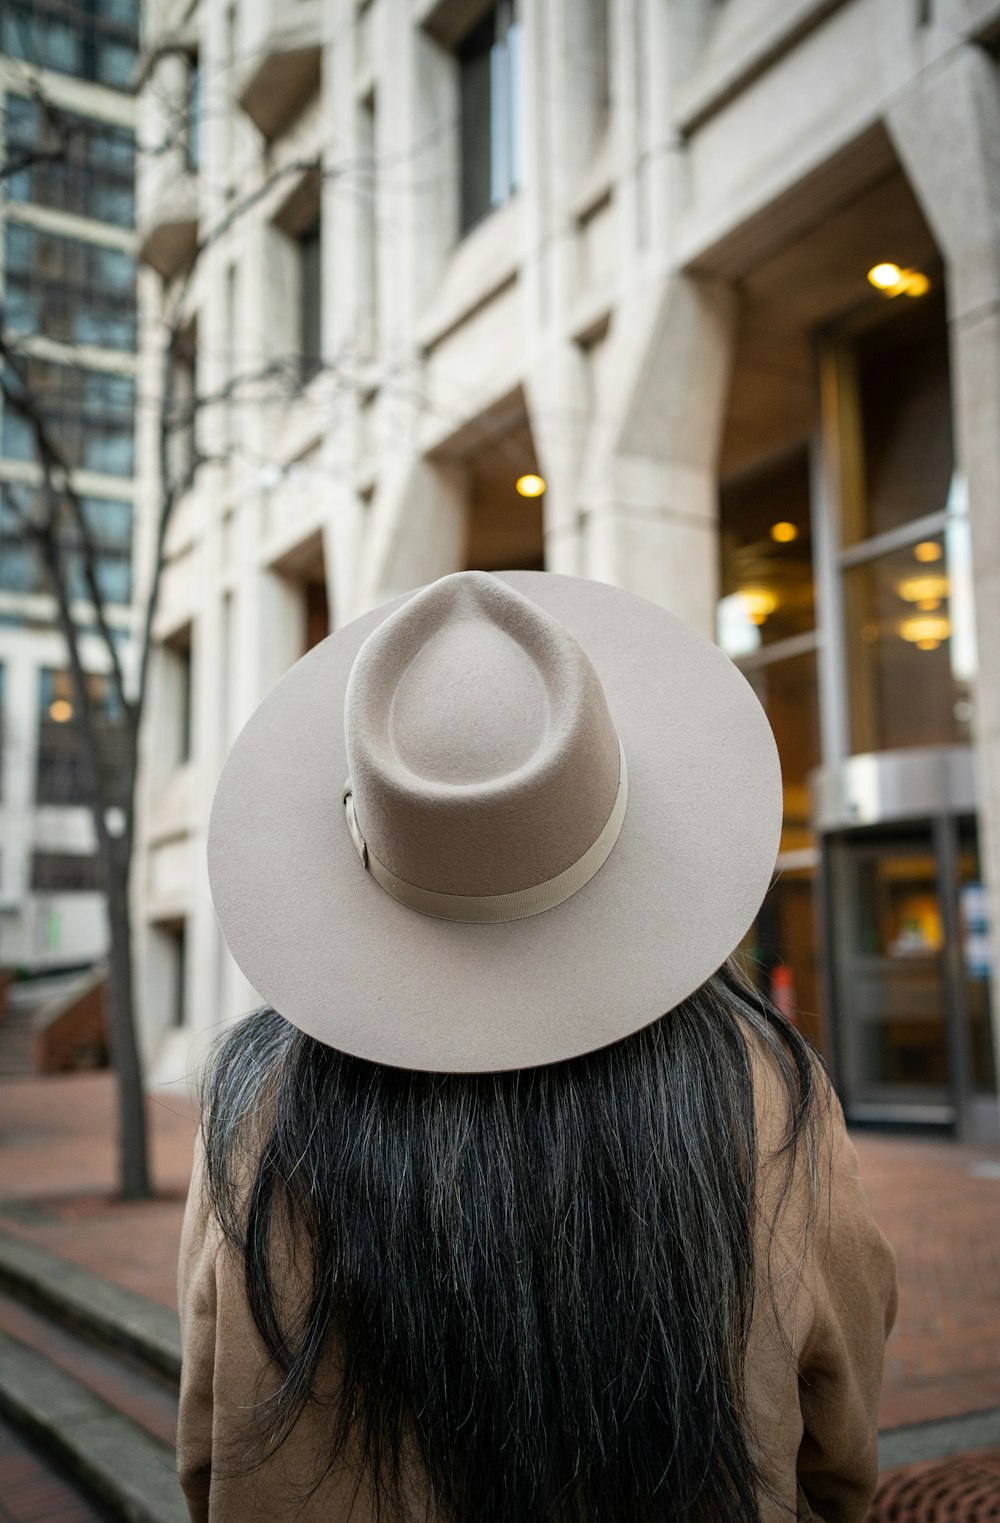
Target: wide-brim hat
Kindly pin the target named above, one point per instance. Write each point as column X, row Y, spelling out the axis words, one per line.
column 501, row 822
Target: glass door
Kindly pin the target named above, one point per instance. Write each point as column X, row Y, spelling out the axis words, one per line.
column 910, row 971
column 893, row 988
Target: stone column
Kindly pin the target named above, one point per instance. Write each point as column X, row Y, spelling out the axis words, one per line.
column 649, row 477
column 946, row 130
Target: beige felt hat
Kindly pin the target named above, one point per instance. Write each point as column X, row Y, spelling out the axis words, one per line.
column 500, row 822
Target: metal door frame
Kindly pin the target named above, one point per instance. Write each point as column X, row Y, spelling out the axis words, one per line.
column 943, row 828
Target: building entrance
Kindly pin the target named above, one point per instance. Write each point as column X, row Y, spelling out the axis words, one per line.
column 909, row 970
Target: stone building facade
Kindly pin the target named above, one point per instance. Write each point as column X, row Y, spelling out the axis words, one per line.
column 68, row 315
column 625, row 245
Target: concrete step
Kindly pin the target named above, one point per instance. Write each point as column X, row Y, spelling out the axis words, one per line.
column 116, row 1379
column 17, row 1043
column 108, row 1316
column 119, row 1464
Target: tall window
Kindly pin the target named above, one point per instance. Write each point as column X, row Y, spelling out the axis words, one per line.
column 92, row 168
column 904, row 554
column 490, row 87
column 766, row 621
column 79, row 293
column 310, row 244
column 91, row 41
column 90, row 414
column 193, row 117
column 367, row 225
column 767, row 614
column 109, row 528
column 61, row 773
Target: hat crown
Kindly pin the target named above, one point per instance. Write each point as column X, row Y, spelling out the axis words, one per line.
column 482, row 754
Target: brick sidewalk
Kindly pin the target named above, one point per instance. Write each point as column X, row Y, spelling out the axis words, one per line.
column 938, row 1203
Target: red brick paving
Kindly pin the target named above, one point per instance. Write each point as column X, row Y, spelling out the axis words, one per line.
column 58, row 1178
column 939, row 1205
column 32, row 1492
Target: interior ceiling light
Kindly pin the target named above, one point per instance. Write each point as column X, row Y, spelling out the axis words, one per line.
column 916, row 589
column 893, row 281
column 530, row 485
column 884, row 276
column 928, row 550
column 758, row 603
column 784, row 532
column 60, row 710
column 926, row 632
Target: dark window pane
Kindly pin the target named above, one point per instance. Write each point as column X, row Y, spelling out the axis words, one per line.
column 310, row 302
column 904, row 397
column 96, row 42
column 489, row 105
column 92, row 173
column 61, row 775
column 65, row 872
column 476, row 107
column 789, row 693
column 70, row 290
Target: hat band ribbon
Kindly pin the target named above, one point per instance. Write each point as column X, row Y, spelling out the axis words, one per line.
column 492, row 909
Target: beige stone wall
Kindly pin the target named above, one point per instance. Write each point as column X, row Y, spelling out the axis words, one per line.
column 602, row 307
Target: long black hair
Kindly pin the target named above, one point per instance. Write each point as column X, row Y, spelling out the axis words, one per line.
column 538, row 1284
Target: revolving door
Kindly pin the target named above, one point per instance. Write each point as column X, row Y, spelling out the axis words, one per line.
column 908, row 963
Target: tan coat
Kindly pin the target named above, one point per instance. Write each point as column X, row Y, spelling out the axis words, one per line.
column 814, row 1371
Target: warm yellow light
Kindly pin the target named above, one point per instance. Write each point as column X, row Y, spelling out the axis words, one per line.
column 931, row 626
column 884, row 276
column 914, row 283
column 784, row 532
column 894, row 281
column 60, row 709
column 757, row 603
column 530, row 485
column 928, row 550
column 928, row 605
column 915, row 589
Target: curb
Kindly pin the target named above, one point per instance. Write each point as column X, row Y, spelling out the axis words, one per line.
column 123, row 1467
column 948, row 1436
column 106, row 1314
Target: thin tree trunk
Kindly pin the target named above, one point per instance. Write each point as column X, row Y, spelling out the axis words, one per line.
column 133, row 1159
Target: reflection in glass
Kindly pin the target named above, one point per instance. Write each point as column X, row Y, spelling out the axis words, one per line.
column 780, row 950
column 908, row 670
column 890, row 969
column 766, row 556
column 788, row 692
column 906, row 455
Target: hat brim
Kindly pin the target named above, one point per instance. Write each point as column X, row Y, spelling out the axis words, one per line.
column 321, row 941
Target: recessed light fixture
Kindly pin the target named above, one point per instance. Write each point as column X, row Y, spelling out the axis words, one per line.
column 757, row 602
column 928, row 550
column 784, row 532
column 60, row 710
column 530, row 485
column 891, row 280
column 929, row 584
column 884, row 276
column 926, row 632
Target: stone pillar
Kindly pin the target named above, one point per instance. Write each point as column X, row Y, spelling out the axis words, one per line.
column 419, row 529
column 648, row 486
column 946, row 130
